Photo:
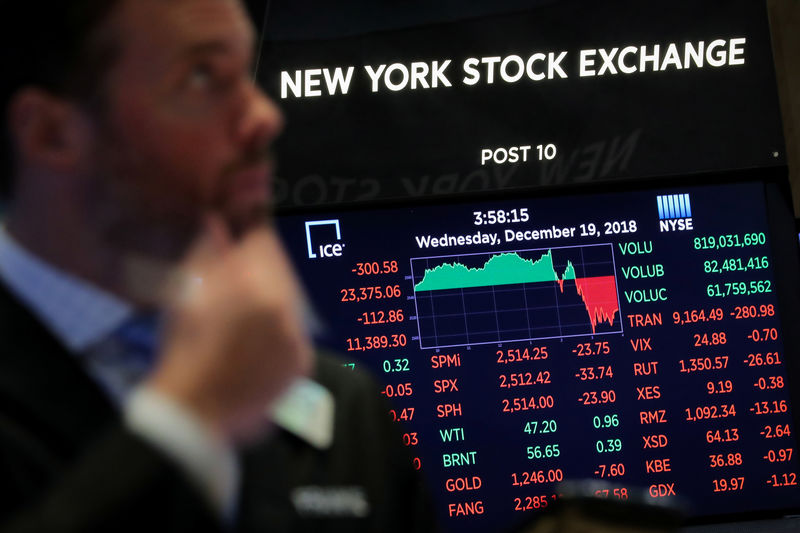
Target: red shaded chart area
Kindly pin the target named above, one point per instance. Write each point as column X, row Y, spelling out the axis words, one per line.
column 599, row 295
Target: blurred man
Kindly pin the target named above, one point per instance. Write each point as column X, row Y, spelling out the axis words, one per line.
column 138, row 196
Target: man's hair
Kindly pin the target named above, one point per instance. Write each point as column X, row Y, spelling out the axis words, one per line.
column 52, row 45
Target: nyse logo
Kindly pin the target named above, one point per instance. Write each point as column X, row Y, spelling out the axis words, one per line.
column 323, row 233
column 675, row 212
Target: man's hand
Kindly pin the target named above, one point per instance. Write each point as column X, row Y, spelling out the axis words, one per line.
column 235, row 338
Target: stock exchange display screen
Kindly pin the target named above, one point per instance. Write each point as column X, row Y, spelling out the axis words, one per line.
column 634, row 337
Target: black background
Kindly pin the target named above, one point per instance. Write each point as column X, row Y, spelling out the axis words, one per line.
column 364, row 145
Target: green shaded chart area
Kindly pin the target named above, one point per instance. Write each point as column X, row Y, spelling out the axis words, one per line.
column 502, row 269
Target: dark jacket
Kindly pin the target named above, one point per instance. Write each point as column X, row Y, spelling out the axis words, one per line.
column 68, row 464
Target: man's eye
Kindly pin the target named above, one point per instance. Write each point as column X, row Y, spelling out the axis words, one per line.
column 200, row 77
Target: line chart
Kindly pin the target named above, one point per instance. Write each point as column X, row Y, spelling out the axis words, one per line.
column 515, row 295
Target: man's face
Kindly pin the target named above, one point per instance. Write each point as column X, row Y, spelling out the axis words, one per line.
column 183, row 131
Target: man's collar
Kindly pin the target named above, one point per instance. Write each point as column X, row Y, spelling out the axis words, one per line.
column 78, row 313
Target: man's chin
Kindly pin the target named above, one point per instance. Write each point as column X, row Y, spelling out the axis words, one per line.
column 245, row 218
column 148, row 281
column 149, row 274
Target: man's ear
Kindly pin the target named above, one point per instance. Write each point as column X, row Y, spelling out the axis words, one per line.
column 49, row 133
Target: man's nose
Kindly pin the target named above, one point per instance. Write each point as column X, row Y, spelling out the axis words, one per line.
column 260, row 122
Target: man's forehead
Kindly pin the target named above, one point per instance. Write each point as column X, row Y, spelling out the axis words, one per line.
column 180, row 27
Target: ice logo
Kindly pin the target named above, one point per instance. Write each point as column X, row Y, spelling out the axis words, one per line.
column 327, row 249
